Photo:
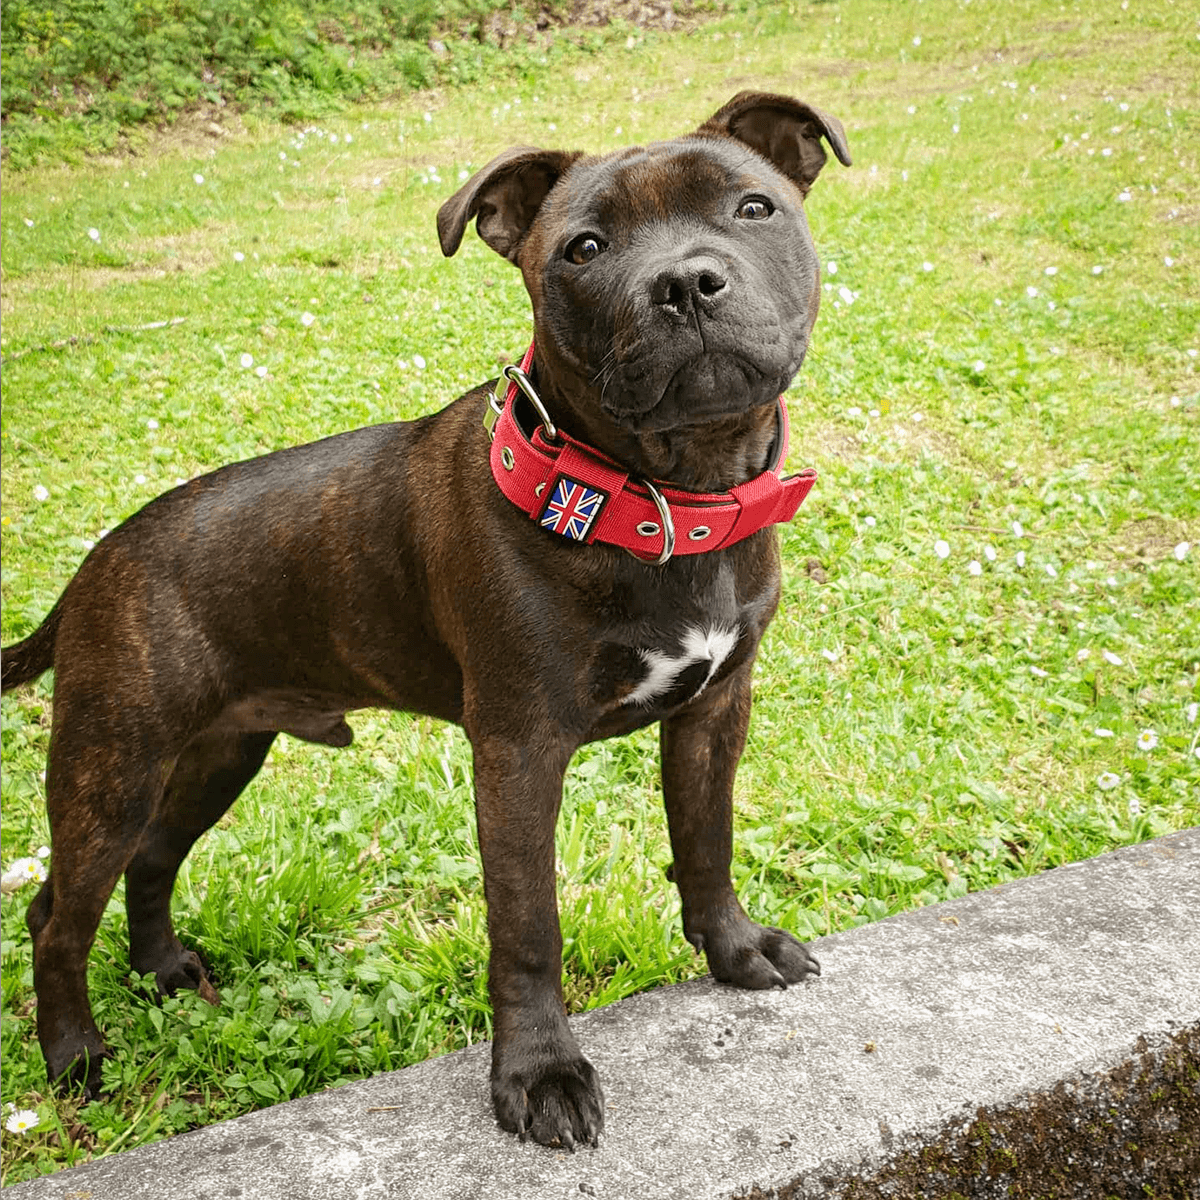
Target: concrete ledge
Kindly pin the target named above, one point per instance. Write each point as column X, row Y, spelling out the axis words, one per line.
column 1042, row 1038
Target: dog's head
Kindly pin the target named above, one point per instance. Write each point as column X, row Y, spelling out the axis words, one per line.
column 672, row 284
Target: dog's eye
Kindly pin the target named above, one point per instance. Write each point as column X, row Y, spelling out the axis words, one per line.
column 584, row 248
column 756, row 208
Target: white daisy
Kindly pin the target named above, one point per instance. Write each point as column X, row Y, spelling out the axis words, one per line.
column 23, row 871
column 21, row 1120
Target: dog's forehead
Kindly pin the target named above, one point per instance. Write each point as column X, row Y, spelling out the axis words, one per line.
column 641, row 183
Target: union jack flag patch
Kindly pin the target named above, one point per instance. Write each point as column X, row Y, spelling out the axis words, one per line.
column 573, row 508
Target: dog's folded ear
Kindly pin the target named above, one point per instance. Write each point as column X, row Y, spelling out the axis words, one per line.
column 505, row 196
column 785, row 131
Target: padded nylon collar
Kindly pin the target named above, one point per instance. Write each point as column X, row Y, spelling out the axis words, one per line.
column 575, row 491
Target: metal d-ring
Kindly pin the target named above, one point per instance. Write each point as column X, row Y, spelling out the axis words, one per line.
column 668, row 526
column 515, row 375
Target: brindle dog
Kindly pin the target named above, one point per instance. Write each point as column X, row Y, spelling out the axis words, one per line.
column 427, row 567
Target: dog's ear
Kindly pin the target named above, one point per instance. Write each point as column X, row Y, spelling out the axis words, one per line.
column 785, row 131
column 505, row 196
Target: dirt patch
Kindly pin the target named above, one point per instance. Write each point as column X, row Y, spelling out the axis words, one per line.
column 1149, row 540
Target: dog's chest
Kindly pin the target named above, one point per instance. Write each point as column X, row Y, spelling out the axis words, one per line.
column 679, row 669
column 667, row 655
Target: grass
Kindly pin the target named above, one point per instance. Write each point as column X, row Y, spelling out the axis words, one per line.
column 81, row 77
column 1006, row 363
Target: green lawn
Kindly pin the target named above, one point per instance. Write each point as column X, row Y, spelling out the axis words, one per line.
column 988, row 654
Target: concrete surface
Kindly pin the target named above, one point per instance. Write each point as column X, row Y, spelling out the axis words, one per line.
column 1050, row 997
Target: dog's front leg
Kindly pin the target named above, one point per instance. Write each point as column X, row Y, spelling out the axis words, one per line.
column 700, row 752
column 542, row 1086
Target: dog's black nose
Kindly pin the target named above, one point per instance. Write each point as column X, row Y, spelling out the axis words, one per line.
column 685, row 286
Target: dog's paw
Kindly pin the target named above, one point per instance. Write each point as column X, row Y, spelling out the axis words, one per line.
column 758, row 957
column 558, row 1104
column 186, row 971
column 74, row 1071
column 175, row 967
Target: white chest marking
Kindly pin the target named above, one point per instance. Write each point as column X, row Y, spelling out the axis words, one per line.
column 712, row 646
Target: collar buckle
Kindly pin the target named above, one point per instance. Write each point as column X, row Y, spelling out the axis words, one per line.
column 518, row 379
column 493, row 412
column 512, row 378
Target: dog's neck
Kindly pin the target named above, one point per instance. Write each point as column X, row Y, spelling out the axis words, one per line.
column 711, row 456
column 576, row 488
column 714, row 456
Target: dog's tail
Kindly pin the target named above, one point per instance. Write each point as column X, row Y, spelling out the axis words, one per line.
column 23, row 661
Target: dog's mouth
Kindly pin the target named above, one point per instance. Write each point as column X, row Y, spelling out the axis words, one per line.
column 704, row 388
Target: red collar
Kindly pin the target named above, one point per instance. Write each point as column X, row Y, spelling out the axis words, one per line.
column 573, row 490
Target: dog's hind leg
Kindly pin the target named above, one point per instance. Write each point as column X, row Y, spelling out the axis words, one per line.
column 208, row 777
column 96, row 815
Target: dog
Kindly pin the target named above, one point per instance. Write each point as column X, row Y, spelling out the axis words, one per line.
column 570, row 553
